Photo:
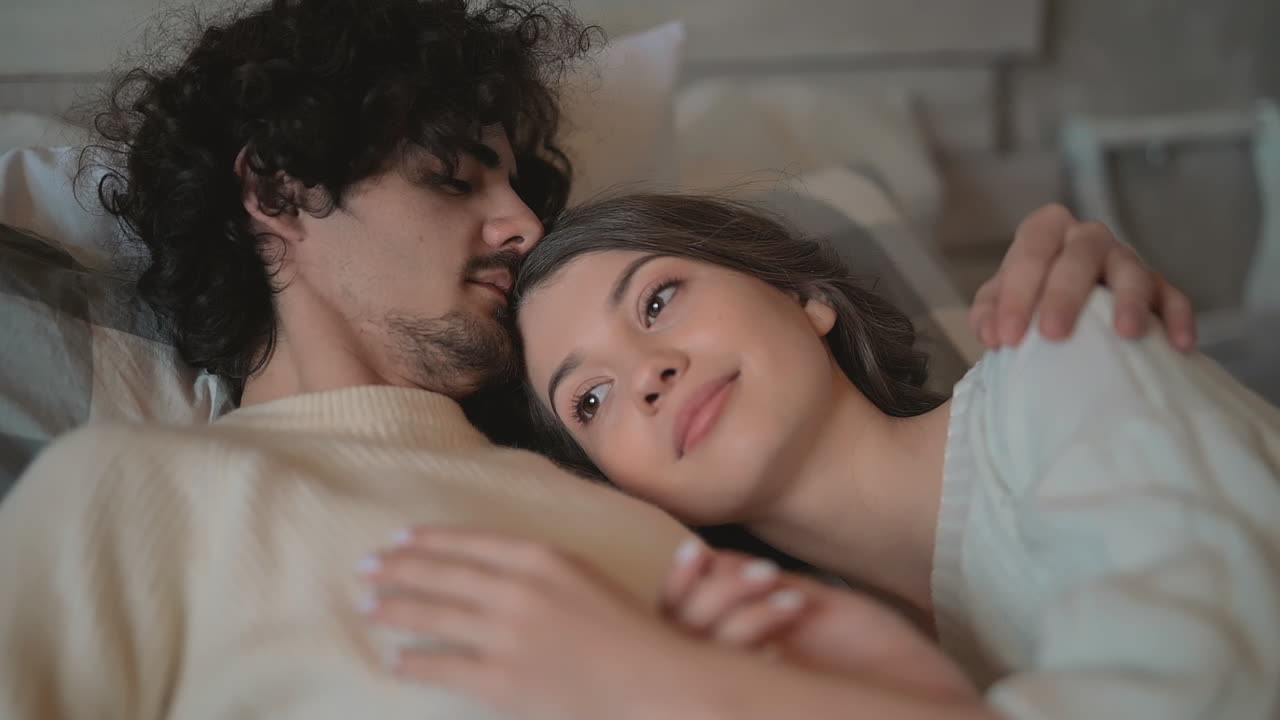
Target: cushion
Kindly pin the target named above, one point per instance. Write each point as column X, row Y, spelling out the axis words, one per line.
column 82, row 346
column 729, row 130
column 40, row 194
column 23, row 129
column 618, row 113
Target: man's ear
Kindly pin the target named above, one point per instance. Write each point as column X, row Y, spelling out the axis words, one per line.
column 822, row 315
column 285, row 222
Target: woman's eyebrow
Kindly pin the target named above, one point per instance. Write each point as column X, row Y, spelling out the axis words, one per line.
column 625, row 277
column 570, row 363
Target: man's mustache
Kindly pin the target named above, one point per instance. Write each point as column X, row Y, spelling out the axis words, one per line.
column 508, row 260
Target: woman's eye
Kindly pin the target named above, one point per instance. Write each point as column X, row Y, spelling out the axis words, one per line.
column 658, row 302
column 586, row 405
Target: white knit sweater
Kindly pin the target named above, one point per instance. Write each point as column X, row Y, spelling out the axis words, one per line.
column 209, row 572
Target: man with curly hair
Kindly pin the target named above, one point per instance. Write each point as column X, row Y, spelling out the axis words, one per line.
column 335, row 196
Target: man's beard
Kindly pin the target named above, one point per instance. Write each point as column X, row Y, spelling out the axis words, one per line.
column 459, row 353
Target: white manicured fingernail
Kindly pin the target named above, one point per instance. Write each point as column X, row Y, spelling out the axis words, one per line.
column 760, row 570
column 369, row 564
column 689, row 550
column 787, row 600
column 402, row 538
column 367, row 603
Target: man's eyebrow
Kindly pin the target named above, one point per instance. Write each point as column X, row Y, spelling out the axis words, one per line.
column 485, row 154
column 571, row 363
column 625, row 277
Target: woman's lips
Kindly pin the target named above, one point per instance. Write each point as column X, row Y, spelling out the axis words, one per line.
column 700, row 412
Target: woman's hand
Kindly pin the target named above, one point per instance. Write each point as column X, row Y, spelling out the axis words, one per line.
column 528, row 630
column 1055, row 261
column 744, row 602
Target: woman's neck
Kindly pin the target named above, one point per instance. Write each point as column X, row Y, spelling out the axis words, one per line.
column 864, row 504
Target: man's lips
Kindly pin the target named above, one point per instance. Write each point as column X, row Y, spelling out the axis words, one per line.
column 500, row 282
column 700, row 412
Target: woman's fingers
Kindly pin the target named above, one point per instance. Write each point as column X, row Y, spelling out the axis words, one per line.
column 751, row 624
column 731, row 581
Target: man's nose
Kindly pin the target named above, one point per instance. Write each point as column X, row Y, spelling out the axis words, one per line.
column 515, row 227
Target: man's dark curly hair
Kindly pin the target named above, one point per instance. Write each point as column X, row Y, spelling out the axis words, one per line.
column 328, row 93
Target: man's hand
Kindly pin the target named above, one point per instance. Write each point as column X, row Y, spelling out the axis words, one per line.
column 1054, row 263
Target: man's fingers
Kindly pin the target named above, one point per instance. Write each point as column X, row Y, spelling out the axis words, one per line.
column 1179, row 315
column 1037, row 242
column 983, row 313
column 1052, row 219
column 1134, row 288
column 1020, row 287
column 1073, row 277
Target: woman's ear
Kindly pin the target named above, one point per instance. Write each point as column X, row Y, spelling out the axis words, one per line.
column 821, row 314
column 285, row 223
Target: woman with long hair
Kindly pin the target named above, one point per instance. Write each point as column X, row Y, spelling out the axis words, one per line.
column 1089, row 528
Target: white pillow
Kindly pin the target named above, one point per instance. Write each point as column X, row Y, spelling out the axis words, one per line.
column 83, row 347
column 23, row 129
column 731, row 131
column 619, row 113
column 37, row 194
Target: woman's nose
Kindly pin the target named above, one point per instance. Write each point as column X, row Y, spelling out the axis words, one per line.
column 658, row 376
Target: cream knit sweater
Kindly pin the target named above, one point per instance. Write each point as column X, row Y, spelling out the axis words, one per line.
column 209, row 572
